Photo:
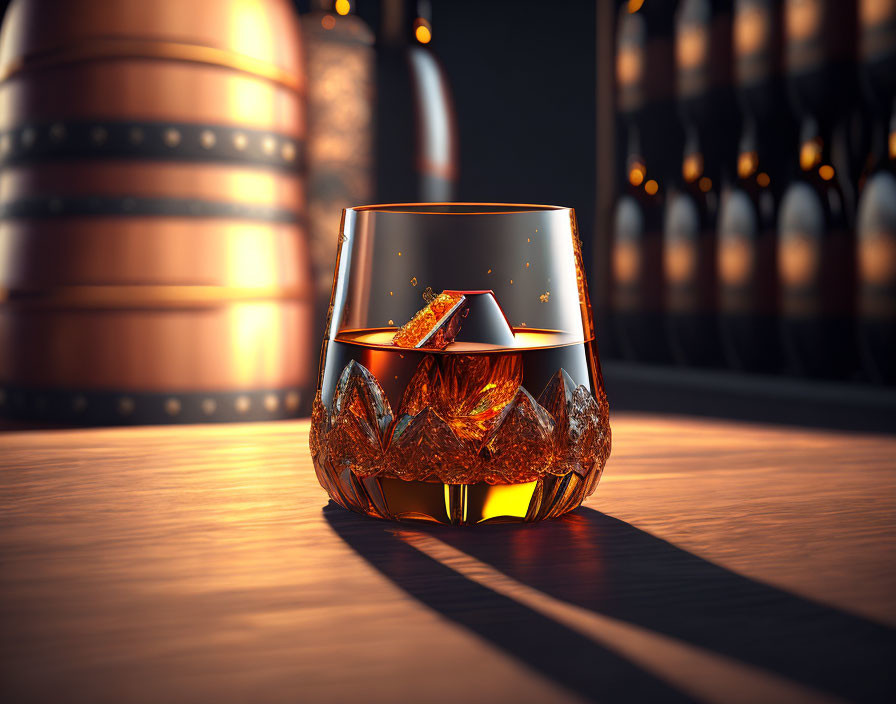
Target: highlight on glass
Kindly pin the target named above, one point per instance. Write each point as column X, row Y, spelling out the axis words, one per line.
column 459, row 377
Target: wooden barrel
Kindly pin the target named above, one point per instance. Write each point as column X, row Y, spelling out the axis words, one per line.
column 153, row 262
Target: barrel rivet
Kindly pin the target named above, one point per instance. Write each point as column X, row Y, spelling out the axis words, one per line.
column 288, row 151
column 171, row 137
column 209, row 406
column 240, row 141
column 271, row 402
column 135, row 135
column 125, row 405
column 172, row 406
column 269, row 145
column 98, row 135
column 57, row 132
column 207, row 139
column 242, row 404
column 292, row 400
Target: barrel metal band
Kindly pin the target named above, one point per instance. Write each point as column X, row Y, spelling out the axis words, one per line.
column 148, row 296
column 128, row 407
column 42, row 207
column 105, row 48
column 62, row 140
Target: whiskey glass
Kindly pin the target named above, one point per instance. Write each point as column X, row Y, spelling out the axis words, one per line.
column 459, row 376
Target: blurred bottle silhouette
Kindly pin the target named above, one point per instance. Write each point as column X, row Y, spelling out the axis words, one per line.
column 644, row 64
column 876, row 221
column 340, row 65
column 816, row 246
column 747, row 254
column 706, row 105
column 152, row 263
column 416, row 132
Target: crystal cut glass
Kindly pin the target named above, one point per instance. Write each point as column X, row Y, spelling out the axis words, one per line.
column 459, row 377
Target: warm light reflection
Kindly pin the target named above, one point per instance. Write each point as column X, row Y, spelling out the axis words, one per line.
column 692, row 167
column 876, row 12
column 802, row 18
column 343, row 7
column 253, row 258
column 250, row 102
column 705, row 184
column 328, row 21
column 250, row 32
column 797, row 259
column 892, row 145
column 507, row 500
column 692, row 46
column 634, row 5
column 735, row 259
column 810, row 154
column 636, row 174
column 763, row 179
column 680, row 261
column 826, row 171
column 747, row 163
column 651, row 187
column 629, row 65
column 255, row 329
column 877, row 257
column 751, row 26
column 423, row 33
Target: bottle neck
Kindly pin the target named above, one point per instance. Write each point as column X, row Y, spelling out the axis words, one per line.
column 635, row 166
column 816, row 140
column 700, row 161
column 759, row 150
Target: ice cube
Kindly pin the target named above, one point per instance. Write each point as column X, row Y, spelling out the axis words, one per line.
column 431, row 325
column 484, row 321
column 457, row 316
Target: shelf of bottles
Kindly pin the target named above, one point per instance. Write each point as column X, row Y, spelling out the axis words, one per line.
column 753, row 224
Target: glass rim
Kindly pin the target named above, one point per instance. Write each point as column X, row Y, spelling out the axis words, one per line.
column 458, row 208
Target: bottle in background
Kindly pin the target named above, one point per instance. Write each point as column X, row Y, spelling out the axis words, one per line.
column 876, row 220
column 706, row 106
column 339, row 63
column 644, row 61
column 747, row 249
column 816, row 246
column 416, row 133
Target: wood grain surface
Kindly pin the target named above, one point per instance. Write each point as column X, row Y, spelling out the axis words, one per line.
column 716, row 562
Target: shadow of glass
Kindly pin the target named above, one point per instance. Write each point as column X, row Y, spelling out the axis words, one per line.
column 564, row 656
column 609, row 567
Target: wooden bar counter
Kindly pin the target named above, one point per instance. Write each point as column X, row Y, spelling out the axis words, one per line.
column 717, row 562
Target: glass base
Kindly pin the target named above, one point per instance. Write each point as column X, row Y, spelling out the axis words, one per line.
column 458, row 504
